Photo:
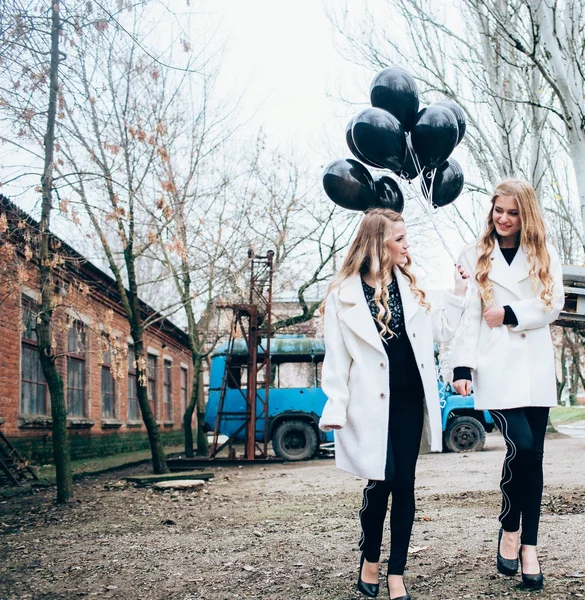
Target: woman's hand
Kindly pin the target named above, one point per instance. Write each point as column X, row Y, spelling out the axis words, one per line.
column 462, row 387
column 494, row 316
column 461, row 277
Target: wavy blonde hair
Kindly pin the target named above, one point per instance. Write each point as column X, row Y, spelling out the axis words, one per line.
column 368, row 253
column 532, row 241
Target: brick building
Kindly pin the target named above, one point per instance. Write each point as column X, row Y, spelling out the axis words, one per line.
column 94, row 355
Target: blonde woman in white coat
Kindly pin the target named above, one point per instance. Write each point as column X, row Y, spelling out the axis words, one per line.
column 379, row 378
column 509, row 349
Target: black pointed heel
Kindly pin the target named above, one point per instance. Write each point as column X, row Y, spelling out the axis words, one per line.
column 407, row 597
column 367, row 589
column 531, row 582
column 506, row 566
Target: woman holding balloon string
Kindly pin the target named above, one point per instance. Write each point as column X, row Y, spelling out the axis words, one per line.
column 379, row 378
column 507, row 344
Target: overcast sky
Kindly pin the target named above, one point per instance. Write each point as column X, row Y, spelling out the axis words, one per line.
column 283, row 54
column 282, row 58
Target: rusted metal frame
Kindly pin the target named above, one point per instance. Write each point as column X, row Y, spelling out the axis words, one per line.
column 229, row 440
column 21, row 467
column 8, row 472
column 267, row 354
column 261, row 268
column 250, row 451
column 214, row 449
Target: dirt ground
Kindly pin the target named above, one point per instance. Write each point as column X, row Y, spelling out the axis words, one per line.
column 285, row 532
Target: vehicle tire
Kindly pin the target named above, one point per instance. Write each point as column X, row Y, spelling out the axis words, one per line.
column 294, row 440
column 464, row 434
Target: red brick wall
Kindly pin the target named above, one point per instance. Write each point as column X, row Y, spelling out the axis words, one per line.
column 92, row 309
column 9, row 361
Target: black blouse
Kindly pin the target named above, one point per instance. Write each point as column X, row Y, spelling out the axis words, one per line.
column 405, row 381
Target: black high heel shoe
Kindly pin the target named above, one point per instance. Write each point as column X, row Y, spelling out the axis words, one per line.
column 367, row 589
column 506, row 566
column 531, row 582
column 407, row 597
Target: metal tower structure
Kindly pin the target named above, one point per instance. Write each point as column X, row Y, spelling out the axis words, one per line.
column 251, row 322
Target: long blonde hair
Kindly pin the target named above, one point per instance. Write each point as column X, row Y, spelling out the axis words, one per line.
column 368, row 253
column 532, row 241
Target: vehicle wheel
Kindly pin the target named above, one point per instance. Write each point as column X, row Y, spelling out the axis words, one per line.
column 294, row 440
column 464, row 434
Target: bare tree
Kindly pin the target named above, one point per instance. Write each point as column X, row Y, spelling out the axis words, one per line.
column 116, row 128
column 511, row 110
column 29, row 37
column 548, row 35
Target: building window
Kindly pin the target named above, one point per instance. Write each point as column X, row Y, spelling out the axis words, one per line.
column 108, row 387
column 76, row 370
column 168, row 390
column 33, row 388
column 152, row 380
column 133, row 412
column 183, row 390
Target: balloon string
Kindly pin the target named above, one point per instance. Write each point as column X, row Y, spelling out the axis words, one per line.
column 447, row 356
column 428, row 205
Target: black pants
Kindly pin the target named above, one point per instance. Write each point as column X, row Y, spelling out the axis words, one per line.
column 524, row 430
column 405, row 430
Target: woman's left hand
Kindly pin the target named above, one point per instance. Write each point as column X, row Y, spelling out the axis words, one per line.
column 461, row 277
column 494, row 316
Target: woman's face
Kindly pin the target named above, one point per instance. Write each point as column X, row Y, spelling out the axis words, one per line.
column 506, row 216
column 397, row 244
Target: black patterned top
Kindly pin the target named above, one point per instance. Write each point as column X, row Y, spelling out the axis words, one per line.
column 406, row 385
column 396, row 324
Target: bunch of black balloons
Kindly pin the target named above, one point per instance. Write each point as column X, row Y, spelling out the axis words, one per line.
column 394, row 134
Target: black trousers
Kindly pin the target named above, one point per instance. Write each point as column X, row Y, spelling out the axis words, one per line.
column 404, row 431
column 522, row 482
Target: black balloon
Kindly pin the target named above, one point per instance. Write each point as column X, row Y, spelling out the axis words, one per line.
column 395, row 90
column 435, row 135
column 388, row 194
column 349, row 184
column 446, row 185
column 379, row 137
column 459, row 115
column 354, row 150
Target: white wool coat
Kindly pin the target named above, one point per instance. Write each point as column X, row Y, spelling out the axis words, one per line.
column 355, row 376
column 513, row 366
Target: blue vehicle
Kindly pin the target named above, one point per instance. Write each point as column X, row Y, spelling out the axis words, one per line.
column 464, row 428
column 296, row 401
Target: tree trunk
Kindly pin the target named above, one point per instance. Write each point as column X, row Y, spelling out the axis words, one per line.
column 196, row 403
column 202, row 443
column 45, row 327
column 574, row 375
column 159, row 463
column 577, row 152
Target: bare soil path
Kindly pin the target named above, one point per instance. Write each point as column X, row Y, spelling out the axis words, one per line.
column 285, row 532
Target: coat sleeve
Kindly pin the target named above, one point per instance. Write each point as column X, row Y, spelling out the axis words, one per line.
column 465, row 347
column 532, row 313
column 446, row 319
column 335, row 372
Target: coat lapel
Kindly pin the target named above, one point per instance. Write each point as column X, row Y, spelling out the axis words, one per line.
column 507, row 275
column 520, row 267
column 355, row 313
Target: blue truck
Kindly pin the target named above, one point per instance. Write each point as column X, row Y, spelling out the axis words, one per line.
column 296, row 401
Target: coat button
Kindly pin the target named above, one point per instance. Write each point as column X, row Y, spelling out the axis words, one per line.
column 522, row 336
column 422, row 366
column 414, row 335
column 382, row 395
column 382, row 364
